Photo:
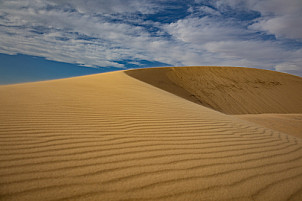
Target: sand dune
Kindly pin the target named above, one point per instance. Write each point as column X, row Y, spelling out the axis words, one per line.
column 113, row 137
column 229, row 90
column 286, row 123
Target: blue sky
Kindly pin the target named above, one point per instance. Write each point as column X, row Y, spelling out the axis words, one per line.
column 48, row 39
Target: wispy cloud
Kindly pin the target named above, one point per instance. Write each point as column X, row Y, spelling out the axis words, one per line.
column 101, row 33
column 278, row 17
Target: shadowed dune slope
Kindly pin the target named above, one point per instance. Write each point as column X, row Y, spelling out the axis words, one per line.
column 113, row 137
column 231, row 90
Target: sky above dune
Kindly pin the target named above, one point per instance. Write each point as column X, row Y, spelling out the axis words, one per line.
column 120, row 34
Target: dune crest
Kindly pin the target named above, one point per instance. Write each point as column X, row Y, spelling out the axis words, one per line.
column 113, row 137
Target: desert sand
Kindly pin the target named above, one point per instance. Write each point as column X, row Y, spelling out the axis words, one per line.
column 157, row 134
column 286, row 123
column 230, row 90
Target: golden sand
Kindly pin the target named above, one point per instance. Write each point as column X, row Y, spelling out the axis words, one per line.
column 286, row 123
column 113, row 137
column 231, row 90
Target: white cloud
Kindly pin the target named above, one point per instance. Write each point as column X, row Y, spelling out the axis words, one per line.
column 208, row 10
column 278, row 17
column 287, row 67
column 228, row 43
column 292, row 65
column 205, row 29
column 281, row 26
column 105, row 6
column 103, row 33
column 59, row 40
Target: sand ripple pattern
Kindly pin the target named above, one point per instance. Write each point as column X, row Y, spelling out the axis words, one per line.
column 112, row 137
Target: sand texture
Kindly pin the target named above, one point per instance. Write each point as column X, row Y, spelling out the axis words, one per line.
column 286, row 123
column 113, row 137
column 229, row 90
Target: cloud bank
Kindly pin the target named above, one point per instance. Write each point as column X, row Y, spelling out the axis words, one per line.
column 120, row 33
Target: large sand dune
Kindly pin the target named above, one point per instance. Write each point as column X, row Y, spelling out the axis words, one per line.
column 230, row 90
column 113, row 137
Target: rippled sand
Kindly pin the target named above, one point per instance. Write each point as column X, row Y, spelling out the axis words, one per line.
column 116, row 137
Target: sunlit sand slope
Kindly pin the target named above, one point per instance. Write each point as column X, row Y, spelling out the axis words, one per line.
column 287, row 123
column 113, row 137
column 230, row 90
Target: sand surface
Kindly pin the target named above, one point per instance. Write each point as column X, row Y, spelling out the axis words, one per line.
column 113, row 137
column 229, row 90
column 287, row 123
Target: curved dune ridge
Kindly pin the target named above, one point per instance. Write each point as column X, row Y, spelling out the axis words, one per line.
column 231, row 90
column 113, row 137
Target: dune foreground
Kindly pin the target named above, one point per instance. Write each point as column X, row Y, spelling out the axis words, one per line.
column 114, row 137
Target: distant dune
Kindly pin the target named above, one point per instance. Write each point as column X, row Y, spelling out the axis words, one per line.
column 116, row 137
column 230, row 90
